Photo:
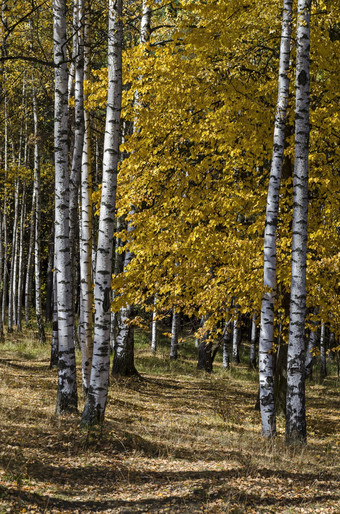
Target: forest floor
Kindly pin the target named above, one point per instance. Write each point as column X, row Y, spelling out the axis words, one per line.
column 175, row 441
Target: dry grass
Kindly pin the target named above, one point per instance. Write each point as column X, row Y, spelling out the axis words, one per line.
column 175, row 441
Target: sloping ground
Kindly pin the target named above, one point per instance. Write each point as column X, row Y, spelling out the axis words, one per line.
column 171, row 443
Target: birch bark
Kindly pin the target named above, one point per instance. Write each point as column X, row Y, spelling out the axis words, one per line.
column 311, row 346
column 269, row 271
column 21, row 259
column 295, row 411
column 94, row 409
column 154, row 326
column 78, row 56
column 37, row 216
column 252, row 356
column 323, row 366
column 226, row 346
column 236, row 340
column 29, row 268
column 86, row 294
column 174, row 334
column 67, row 389
column 13, row 258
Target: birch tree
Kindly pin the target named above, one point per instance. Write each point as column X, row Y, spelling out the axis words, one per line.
column 94, row 409
column 67, row 389
column 295, row 410
column 85, row 246
column 37, row 220
column 269, row 270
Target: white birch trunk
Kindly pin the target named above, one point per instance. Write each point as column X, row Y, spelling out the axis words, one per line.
column 266, row 373
column 85, row 247
column 252, row 355
column 295, row 411
column 311, row 347
column 323, row 366
column 154, row 326
column 4, row 218
column 174, row 334
column 37, row 214
column 13, row 258
column 67, row 388
column 78, row 50
column 21, row 259
column 29, row 268
column 226, row 346
column 94, row 409
column 236, row 340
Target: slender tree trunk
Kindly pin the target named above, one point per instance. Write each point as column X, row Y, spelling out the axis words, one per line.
column 154, row 326
column 174, row 335
column 94, row 409
column 236, row 340
column 117, row 268
column 79, row 127
column 311, row 347
column 13, row 258
column 295, row 412
column 226, row 346
column 4, row 218
column 252, row 355
column 323, row 365
column 37, row 215
column 67, row 387
column 86, row 294
column 21, row 259
column 269, row 271
column 29, row 268
column 49, row 279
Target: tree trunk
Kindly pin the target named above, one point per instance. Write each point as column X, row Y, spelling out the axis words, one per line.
column 86, row 293
column 78, row 50
column 174, row 335
column 311, row 347
column 21, row 259
column 94, row 409
column 252, row 354
column 123, row 361
column 226, row 346
column 296, row 415
column 236, row 340
column 67, row 387
column 204, row 356
column 154, row 327
column 49, row 279
column 37, row 215
column 11, row 300
column 269, row 271
column 323, row 365
column 29, row 268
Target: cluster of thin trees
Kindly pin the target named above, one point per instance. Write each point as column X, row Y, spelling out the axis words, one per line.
column 81, row 256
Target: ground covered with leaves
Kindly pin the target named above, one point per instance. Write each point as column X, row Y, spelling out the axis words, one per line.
column 173, row 441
